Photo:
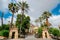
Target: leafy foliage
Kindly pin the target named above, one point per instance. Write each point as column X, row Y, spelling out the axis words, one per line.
column 4, row 30
column 4, row 27
column 13, row 7
column 5, row 33
column 0, row 28
column 46, row 15
column 54, row 31
column 23, row 6
column 40, row 32
column 25, row 24
column 1, row 33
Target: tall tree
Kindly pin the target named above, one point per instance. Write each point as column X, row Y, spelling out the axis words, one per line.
column 24, row 8
column 46, row 15
column 13, row 8
column 2, row 18
column 40, row 20
column 25, row 24
column 36, row 21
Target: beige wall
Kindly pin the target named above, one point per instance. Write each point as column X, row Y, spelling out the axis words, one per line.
column 13, row 30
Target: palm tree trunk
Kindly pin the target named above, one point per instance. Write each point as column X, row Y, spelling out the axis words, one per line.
column 41, row 24
column 12, row 20
column 22, row 14
column 22, row 18
column 2, row 19
column 47, row 22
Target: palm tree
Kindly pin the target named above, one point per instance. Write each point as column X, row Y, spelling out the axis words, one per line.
column 59, row 27
column 24, row 8
column 40, row 20
column 46, row 15
column 36, row 21
column 2, row 19
column 13, row 8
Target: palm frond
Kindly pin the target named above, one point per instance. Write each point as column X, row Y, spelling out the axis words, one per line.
column 23, row 6
column 46, row 14
column 11, row 5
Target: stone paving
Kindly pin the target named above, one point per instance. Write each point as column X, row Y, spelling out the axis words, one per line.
column 31, row 37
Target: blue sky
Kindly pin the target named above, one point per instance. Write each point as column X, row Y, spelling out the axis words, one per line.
column 37, row 7
column 6, row 14
column 56, row 10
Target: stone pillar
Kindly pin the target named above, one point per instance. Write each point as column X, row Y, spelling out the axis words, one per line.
column 16, row 33
column 10, row 34
column 44, row 35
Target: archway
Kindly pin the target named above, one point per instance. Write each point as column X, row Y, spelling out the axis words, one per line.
column 13, row 35
column 45, row 35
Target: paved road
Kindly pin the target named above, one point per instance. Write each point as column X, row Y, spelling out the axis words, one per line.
column 31, row 37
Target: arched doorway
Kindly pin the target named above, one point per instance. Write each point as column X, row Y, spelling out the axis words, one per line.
column 45, row 35
column 13, row 35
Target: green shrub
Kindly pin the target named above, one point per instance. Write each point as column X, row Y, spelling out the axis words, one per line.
column 50, row 30
column 5, row 27
column 5, row 33
column 40, row 31
column 0, row 28
column 1, row 33
column 54, row 31
column 59, row 33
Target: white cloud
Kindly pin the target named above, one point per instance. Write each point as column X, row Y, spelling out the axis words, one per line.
column 5, row 21
column 4, row 4
column 9, row 19
column 37, row 7
column 0, row 21
column 59, row 10
column 0, row 4
column 55, row 20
